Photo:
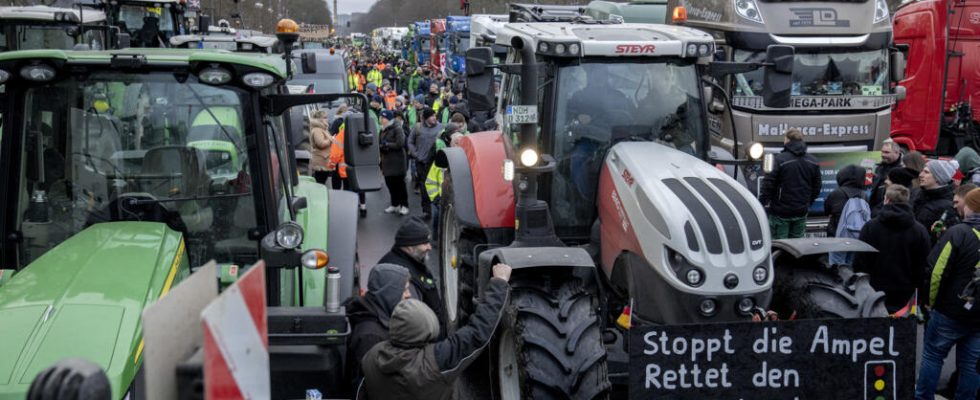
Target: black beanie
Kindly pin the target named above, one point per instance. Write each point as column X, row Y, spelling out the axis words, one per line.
column 902, row 176
column 427, row 113
column 412, row 232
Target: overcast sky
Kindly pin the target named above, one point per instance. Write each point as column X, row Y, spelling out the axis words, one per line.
column 352, row 6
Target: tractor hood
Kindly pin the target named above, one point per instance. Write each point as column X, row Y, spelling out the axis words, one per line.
column 84, row 298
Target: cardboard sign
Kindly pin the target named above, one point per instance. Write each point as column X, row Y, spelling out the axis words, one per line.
column 812, row 359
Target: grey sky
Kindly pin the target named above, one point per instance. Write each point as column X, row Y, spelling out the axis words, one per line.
column 352, row 6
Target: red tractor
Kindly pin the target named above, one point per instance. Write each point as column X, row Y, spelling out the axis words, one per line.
column 942, row 78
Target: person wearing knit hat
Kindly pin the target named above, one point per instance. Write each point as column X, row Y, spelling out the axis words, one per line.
column 953, row 319
column 411, row 250
column 935, row 198
column 901, row 176
column 370, row 314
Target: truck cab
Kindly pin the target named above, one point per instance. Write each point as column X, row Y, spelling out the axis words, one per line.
column 150, row 23
column 438, row 43
column 458, row 38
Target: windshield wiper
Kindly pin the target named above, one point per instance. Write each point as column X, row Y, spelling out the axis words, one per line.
column 215, row 118
column 135, row 201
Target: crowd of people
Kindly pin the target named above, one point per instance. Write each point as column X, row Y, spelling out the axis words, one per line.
column 925, row 225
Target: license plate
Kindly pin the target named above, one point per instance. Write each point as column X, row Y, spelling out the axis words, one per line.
column 522, row 114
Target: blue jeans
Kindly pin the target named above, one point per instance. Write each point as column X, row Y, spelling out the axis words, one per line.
column 941, row 334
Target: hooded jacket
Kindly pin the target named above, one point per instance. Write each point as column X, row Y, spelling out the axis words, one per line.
column 850, row 184
column 952, row 264
column 423, row 284
column 969, row 162
column 903, row 246
column 422, row 141
column 793, row 184
column 410, row 366
column 321, row 141
column 930, row 204
column 369, row 315
column 393, row 161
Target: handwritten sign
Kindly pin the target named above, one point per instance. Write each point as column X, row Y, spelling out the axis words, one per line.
column 814, row 359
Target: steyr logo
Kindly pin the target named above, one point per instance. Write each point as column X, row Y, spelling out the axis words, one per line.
column 817, row 17
column 635, row 49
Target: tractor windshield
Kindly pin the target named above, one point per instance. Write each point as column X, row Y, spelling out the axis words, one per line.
column 136, row 147
column 600, row 103
column 823, row 72
column 148, row 26
column 32, row 36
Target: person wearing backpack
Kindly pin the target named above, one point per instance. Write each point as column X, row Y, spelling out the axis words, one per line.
column 850, row 185
column 954, row 319
column 903, row 245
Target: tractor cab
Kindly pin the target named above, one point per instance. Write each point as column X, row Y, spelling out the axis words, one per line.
column 128, row 168
column 43, row 27
column 150, row 23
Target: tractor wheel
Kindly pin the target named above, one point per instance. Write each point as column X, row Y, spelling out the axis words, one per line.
column 830, row 293
column 457, row 277
column 550, row 346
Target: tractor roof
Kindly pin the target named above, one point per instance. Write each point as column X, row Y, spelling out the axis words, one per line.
column 51, row 14
column 272, row 63
column 260, row 41
column 607, row 39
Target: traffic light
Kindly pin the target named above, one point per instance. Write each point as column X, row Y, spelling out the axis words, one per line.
column 879, row 380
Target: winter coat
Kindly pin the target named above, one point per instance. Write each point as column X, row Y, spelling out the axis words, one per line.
column 930, row 204
column 969, row 162
column 369, row 315
column 952, row 264
column 422, row 141
column 411, row 366
column 878, row 183
column 423, row 284
column 850, row 184
column 794, row 183
column 903, row 245
column 393, row 161
column 321, row 140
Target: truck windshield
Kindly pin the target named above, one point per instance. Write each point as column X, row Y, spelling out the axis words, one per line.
column 461, row 44
column 823, row 72
column 424, row 44
column 600, row 103
column 136, row 147
column 146, row 19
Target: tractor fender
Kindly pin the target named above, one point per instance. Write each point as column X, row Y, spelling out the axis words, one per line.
column 525, row 258
column 481, row 196
column 342, row 245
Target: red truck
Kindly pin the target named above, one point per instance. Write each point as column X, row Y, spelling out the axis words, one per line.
column 437, row 49
column 941, row 41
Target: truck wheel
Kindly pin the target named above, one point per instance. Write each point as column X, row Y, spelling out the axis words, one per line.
column 550, row 346
column 830, row 293
column 456, row 276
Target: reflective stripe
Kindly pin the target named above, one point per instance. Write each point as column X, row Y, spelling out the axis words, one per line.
column 433, row 182
column 937, row 272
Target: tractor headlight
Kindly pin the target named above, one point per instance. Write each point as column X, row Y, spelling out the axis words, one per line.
column 730, row 281
column 703, row 50
column 574, row 49
column 760, row 274
column 543, row 47
column 4, row 76
column 708, row 307
column 214, row 76
column 694, row 277
column 289, row 235
column 692, row 50
column 746, row 305
column 38, row 72
column 529, row 157
column 559, row 48
column 258, row 80
column 756, row 151
column 315, row 259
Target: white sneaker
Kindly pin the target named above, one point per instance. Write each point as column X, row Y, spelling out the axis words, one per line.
column 403, row 210
column 392, row 209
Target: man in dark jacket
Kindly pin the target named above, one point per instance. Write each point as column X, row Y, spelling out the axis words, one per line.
column 393, row 163
column 850, row 184
column 421, row 146
column 411, row 250
column 792, row 186
column 891, row 157
column 412, row 366
column 369, row 315
column 953, row 318
column 902, row 244
column 935, row 197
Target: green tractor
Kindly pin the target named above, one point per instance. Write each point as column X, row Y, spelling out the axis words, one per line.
column 126, row 169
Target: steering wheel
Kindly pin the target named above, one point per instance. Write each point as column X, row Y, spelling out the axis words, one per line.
column 136, row 207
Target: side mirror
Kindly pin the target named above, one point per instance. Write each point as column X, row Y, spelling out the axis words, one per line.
column 897, row 63
column 479, row 83
column 768, row 162
column 778, row 76
column 308, row 61
column 900, row 92
column 362, row 155
column 123, row 40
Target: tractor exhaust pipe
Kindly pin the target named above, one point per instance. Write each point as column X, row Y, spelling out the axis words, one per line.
column 534, row 224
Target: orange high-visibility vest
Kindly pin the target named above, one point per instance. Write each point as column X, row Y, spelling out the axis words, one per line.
column 337, row 154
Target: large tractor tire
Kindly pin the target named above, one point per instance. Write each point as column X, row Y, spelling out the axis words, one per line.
column 826, row 293
column 550, row 344
column 457, row 274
